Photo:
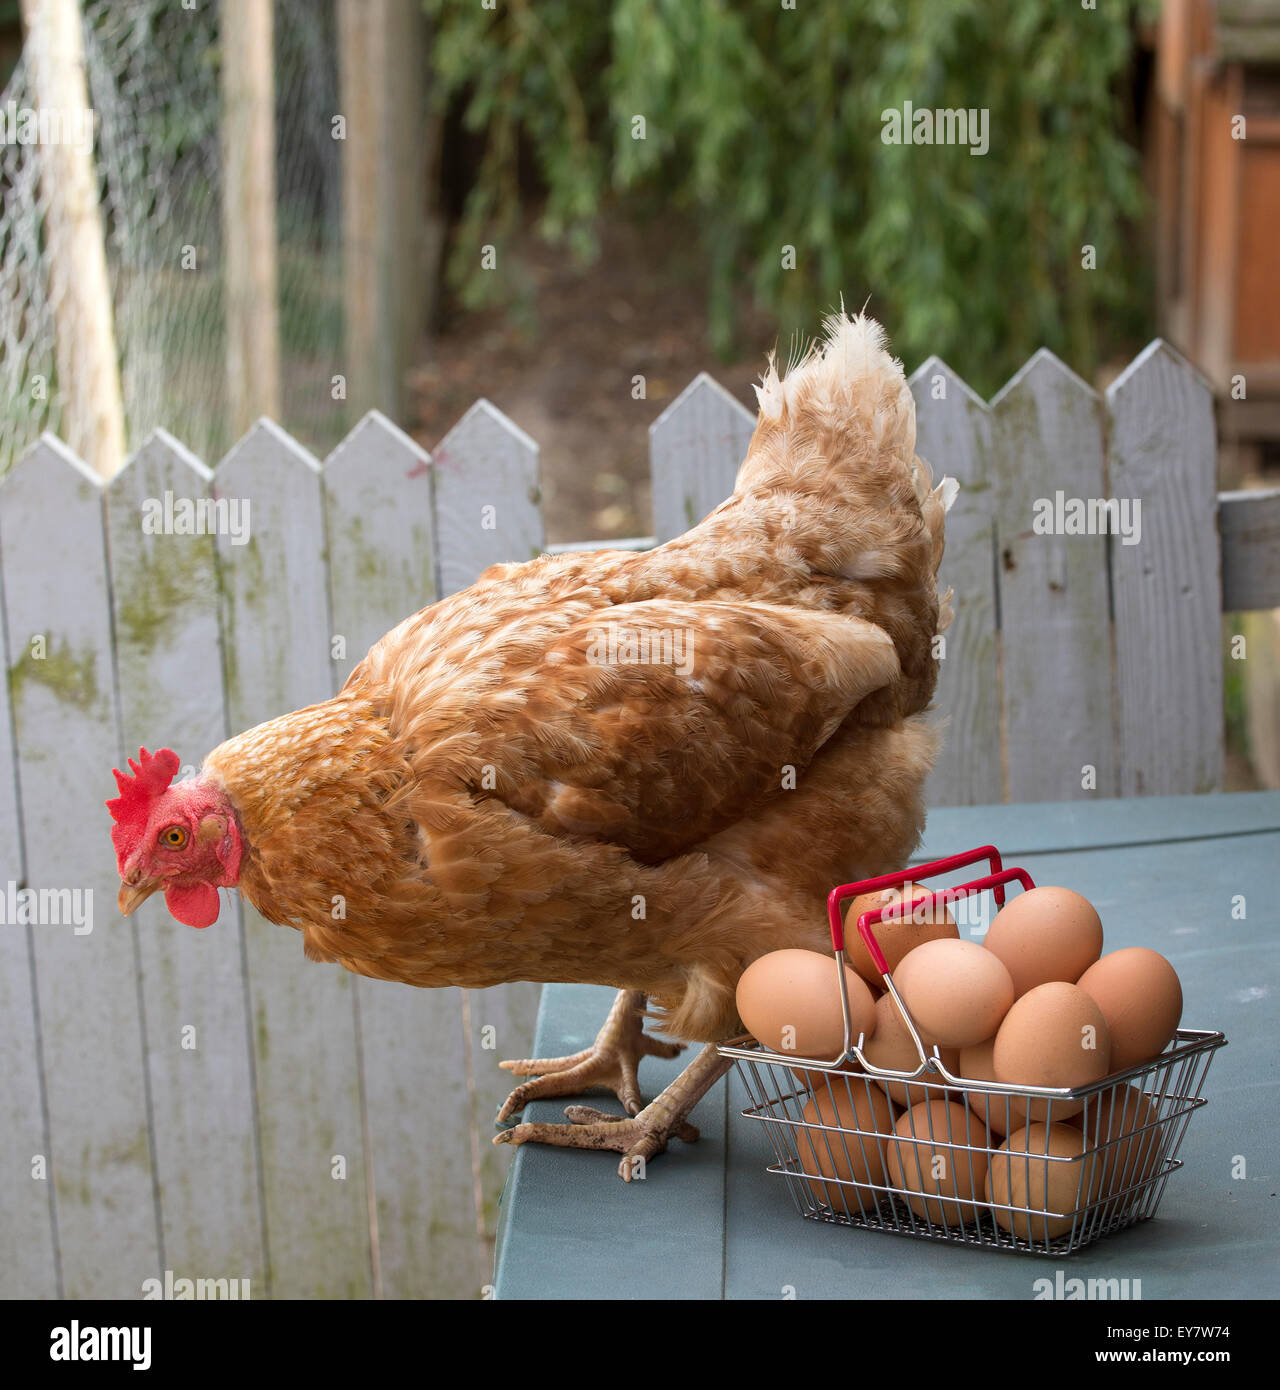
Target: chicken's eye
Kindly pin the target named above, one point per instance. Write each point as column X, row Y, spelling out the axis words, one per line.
column 174, row 837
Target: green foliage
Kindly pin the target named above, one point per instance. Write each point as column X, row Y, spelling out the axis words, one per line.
column 763, row 129
column 1234, row 698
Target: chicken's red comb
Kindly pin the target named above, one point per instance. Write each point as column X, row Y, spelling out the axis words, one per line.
column 152, row 774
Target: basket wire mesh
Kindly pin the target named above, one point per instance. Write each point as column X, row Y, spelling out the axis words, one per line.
column 847, row 1160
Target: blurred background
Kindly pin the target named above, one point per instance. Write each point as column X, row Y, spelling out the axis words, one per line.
column 308, row 208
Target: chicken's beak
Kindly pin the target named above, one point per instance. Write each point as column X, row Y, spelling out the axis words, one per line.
column 132, row 895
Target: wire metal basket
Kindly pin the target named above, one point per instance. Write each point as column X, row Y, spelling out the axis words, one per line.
column 948, row 1174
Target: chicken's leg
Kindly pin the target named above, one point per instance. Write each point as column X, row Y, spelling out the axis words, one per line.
column 642, row 1136
column 610, row 1061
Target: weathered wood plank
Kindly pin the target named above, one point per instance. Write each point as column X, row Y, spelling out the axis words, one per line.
column 420, row 1134
column 26, row 1203
column 168, row 660
column 1047, row 460
column 487, row 497
column 64, row 709
column 953, row 432
column 11, row 863
column 378, row 493
column 501, row 1023
column 276, row 633
column 696, row 447
column 379, row 518
column 1168, row 625
column 1249, row 526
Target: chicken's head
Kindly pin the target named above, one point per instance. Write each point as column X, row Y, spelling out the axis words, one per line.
column 183, row 838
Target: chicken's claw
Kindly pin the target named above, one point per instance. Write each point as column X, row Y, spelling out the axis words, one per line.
column 611, row 1062
column 585, row 1115
column 637, row 1138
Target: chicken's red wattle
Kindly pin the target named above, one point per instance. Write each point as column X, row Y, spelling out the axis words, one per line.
column 194, row 905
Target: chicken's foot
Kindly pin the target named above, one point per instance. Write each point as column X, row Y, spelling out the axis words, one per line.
column 642, row 1136
column 610, row 1061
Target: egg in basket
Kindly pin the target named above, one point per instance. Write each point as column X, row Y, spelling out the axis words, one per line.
column 1026, row 1092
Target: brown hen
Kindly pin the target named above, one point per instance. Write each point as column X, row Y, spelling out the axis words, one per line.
column 637, row 770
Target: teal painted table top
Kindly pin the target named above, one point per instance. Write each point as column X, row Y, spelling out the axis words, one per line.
column 710, row 1222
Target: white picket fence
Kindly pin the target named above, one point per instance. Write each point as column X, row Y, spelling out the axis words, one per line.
column 210, row 1103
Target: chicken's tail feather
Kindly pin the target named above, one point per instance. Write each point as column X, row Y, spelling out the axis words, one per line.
column 834, row 451
column 851, row 350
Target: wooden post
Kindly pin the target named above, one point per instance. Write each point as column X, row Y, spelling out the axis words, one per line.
column 361, row 55
column 79, row 291
column 412, row 141
column 249, row 212
column 387, row 243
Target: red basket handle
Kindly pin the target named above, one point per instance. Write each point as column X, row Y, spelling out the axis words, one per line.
column 891, row 911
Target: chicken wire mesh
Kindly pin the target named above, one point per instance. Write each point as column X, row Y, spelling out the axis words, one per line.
column 154, row 86
column 1020, row 1168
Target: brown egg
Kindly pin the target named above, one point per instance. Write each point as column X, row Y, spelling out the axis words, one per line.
column 940, row 1164
column 1055, row 1035
column 816, row 1081
column 1043, row 1168
column 1116, row 1123
column 789, row 1001
column 927, row 922
column 1140, row 996
column 851, row 1105
column 956, row 991
column 1045, row 934
column 892, row 1049
column 976, row 1064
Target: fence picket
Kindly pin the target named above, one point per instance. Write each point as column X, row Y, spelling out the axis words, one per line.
column 487, row 497
column 91, row 1032
column 1054, row 623
column 695, row 449
column 953, row 432
column 26, row 1207
column 379, row 519
column 277, row 642
column 378, row 493
column 1168, row 623
column 165, row 597
column 502, row 1021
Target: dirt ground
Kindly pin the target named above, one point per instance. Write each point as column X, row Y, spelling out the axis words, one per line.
column 567, row 381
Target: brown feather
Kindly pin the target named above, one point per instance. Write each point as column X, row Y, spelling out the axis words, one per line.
column 499, row 794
